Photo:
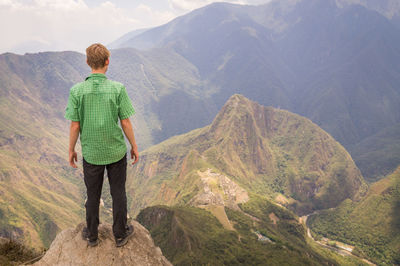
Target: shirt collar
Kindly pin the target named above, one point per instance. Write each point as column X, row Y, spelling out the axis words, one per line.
column 96, row 75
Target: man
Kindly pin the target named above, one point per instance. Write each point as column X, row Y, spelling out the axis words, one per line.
column 94, row 108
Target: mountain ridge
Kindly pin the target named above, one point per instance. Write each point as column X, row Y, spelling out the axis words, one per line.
column 343, row 72
column 255, row 151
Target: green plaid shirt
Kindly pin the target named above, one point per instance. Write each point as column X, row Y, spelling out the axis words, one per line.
column 97, row 103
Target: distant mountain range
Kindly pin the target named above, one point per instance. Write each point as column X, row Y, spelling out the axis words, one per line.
column 337, row 64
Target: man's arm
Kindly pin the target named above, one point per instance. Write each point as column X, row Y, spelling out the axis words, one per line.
column 128, row 130
column 73, row 137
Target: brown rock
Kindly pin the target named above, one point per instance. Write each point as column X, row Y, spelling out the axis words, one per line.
column 68, row 248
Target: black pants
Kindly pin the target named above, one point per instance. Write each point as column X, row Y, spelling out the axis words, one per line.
column 93, row 176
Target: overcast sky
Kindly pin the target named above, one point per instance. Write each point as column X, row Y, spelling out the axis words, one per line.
column 59, row 25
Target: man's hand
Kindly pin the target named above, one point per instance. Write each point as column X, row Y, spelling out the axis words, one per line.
column 73, row 137
column 73, row 157
column 134, row 154
column 128, row 130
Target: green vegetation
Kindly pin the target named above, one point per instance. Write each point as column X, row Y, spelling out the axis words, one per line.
column 192, row 236
column 39, row 194
column 288, row 226
column 14, row 253
column 372, row 224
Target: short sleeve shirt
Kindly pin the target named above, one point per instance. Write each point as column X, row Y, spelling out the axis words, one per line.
column 98, row 103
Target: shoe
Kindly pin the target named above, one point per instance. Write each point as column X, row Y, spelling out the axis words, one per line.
column 93, row 243
column 122, row 241
column 85, row 236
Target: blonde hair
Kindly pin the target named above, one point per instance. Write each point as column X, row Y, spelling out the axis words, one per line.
column 96, row 55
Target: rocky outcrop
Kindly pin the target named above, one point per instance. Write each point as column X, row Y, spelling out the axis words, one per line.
column 69, row 248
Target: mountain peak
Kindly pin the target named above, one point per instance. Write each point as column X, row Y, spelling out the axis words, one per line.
column 263, row 150
column 236, row 98
column 236, row 106
column 70, row 249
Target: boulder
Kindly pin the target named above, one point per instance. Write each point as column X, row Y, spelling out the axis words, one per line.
column 68, row 248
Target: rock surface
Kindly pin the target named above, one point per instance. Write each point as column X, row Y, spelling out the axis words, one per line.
column 68, row 248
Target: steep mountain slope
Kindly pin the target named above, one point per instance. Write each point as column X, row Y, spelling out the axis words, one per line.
column 372, row 224
column 266, row 151
column 346, row 77
column 377, row 155
column 228, row 47
column 166, row 91
column 191, row 236
column 335, row 64
column 124, row 38
column 39, row 194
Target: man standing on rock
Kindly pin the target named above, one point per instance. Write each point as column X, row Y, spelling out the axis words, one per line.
column 94, row 108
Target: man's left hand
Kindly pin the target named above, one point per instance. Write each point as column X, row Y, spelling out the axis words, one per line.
column 134, row 154
column 73, row 157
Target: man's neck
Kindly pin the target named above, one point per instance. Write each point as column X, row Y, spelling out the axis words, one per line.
column 98, row 71
column 102, row 70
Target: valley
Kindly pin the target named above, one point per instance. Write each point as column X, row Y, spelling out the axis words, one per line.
column 370, row 224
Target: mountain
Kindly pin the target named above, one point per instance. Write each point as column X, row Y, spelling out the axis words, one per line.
column 229, row 49
column 192, row 236
column 378, row 154
column 166, row 91
column 371, row 224
column 126, row 37
column 337, row 64
column 248, row 148
column 40, row 193
column 388, row 8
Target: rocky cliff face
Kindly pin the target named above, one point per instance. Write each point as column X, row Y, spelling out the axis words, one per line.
column 70, row 249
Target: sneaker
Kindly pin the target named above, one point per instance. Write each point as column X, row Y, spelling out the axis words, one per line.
column 122, row 241
column 85, row 236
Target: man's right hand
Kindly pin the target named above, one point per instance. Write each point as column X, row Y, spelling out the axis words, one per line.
column 134, row 154
column 73, row 157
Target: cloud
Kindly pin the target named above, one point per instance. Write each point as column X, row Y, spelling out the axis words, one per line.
column 69, row 24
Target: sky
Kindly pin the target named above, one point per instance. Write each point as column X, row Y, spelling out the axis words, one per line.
column 61, row 25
